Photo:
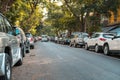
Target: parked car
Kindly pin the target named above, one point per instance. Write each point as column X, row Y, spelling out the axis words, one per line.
column 44, row 38
column 112, row 45
column 79, row 39
column 52, row 38
column 39, row 37
column 56, row 39
column 10, row 50
column 60, row 40
column 35, row 38
column 65, row 40
column 31, row 39
column 97, row 40
column 24, row 42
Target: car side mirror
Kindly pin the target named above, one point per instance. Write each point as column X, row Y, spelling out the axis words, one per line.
column 114, row 37
column 16, row 31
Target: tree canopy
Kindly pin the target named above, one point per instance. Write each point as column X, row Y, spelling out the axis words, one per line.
column 72, row 15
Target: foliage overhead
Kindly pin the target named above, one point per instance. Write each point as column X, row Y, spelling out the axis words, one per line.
column 72, row 15
column 23, row 13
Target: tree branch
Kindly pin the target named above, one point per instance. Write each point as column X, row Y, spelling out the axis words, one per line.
column 70, row 9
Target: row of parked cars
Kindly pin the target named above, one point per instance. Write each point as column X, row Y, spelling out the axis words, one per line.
column 14, row 44
column 99, row 41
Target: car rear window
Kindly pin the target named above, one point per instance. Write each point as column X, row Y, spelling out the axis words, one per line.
column 28, row 34
column 44, row 36
column 108, row 35
column 95, row 35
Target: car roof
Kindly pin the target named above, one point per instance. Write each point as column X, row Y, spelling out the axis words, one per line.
column 102, row 33
column 78, row 33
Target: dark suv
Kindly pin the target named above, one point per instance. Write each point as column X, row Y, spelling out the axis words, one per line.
column 10, row 51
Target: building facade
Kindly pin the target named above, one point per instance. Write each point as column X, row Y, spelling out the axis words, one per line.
column 114, row 18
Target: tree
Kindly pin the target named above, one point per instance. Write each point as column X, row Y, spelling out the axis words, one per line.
column 5, row 5
column 82, row 8
column 25, row 14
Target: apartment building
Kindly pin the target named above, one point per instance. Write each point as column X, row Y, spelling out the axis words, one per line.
column 114, row 18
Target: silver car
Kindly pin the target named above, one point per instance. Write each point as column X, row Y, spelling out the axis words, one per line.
column 79, row 39
column 10, row 50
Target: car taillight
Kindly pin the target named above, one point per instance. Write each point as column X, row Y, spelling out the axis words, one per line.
column 102, row 39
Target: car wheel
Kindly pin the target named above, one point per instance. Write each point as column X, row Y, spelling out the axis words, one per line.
column 86, row 46
column 8, row 69
column 28, row 50
column 106, row 50
column 75, row 45
column 33, row 47
column 23, row 51
column 81, row 46
column 70, row 45
column 97, row 48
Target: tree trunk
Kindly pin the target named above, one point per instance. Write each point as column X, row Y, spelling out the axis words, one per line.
column 81, row 23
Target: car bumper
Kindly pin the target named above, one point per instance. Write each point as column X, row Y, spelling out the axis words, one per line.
column 44, row 40
column 81, row 43
column 31, row 43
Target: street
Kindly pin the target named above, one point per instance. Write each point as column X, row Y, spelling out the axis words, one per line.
column 51, row 61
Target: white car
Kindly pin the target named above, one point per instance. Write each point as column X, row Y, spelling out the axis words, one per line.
column 97, row 40
column 79, row 39
column 31, row 39
column 44, row 38
column 112, row 45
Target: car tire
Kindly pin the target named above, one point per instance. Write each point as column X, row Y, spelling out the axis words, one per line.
column 106, row 50
column 81, row 46
column 8, row 69
column 86, row 46
column 70, row 45
column 22, row 46
column 97, row 49
column 23, row 51
column 32, row 47
column 75, row 45
column 28, row 50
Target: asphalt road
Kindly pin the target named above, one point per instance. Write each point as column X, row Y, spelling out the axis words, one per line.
column 50, row 61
